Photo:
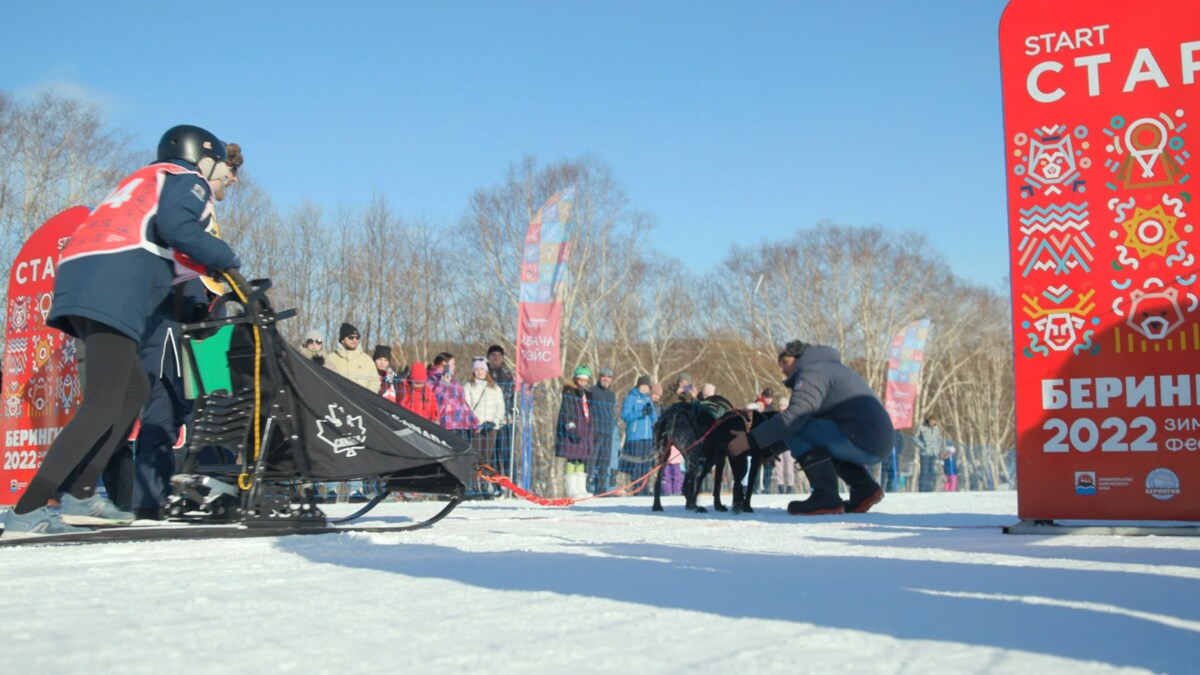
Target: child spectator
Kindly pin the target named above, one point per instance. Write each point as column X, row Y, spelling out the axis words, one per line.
column 764, row 400
column 416, row 395
column 950, row 468
column 784, row 476
column 673, row 473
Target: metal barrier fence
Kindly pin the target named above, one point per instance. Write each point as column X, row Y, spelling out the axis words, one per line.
column 549, row 435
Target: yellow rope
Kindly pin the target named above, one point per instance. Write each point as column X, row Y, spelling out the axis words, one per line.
column 244, row 481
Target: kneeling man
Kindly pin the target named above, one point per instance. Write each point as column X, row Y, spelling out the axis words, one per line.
column 833, row 425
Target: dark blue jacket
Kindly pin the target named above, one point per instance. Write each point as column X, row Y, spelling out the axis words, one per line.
column 822, row 386
column 163, row 340
column 604, row 405
column 123, row 290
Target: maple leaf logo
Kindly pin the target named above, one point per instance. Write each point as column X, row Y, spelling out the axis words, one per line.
column 344, row 433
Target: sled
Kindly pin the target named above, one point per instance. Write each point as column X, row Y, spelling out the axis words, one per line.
column 269, row 423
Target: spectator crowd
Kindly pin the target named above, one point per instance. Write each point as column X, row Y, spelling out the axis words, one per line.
column 603, row 438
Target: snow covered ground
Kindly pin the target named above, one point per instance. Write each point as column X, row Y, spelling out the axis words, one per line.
column 925, row 583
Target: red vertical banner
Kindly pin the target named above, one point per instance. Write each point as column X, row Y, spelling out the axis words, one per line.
column 1101, row 107
column 543, row 281
column 904, row 372
column 41, row 382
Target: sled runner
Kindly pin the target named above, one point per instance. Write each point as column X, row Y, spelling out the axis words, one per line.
column 190, row 531
column 269, row 422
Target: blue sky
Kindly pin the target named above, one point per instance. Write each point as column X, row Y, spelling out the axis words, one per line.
column 730, row 122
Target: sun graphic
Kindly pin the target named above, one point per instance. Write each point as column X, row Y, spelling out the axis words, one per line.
column 1150, row 232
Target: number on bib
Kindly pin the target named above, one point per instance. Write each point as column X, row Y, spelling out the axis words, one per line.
column 122, row 194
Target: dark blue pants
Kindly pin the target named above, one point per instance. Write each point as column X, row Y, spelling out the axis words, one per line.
column 887, row 473
column 598, row 474
column 823, row 433
column 928, row 478
column 153, row 457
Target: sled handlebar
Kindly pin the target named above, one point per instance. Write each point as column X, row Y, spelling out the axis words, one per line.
column 237, row 281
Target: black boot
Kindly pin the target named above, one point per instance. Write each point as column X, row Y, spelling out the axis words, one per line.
column 148, row 513
column 818, row 466
column 864, row 491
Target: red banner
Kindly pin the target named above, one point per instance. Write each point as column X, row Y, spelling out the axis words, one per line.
column 539, row 351
column 41, row 381
column 904, row 373
column 543, row 280
column 1100, row 112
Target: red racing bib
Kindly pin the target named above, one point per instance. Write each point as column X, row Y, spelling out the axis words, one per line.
column 120, row 222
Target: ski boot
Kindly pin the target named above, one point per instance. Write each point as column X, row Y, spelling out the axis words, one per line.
column 197, row 498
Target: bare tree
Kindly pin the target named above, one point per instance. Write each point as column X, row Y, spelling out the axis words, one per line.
column 969, row 382
column 425, row 288
column 55, row 152
column 849, row 287
column 660, row 324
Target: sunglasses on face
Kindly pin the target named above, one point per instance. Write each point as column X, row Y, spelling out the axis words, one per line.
column 314, row 342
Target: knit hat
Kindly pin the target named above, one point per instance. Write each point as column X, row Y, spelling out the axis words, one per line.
column 495, row 348
column 346, row 331
column 417, row 372
column 382, row 352
column 644, row 379
column 313, row 335
column 479, row 362
column 582, row 371
column 685, row 377
column 605, row 372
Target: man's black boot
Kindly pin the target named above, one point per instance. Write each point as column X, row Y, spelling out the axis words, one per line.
column 822, row 476
column 864, row 491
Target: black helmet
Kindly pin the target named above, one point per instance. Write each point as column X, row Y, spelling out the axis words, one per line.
column 191, row 144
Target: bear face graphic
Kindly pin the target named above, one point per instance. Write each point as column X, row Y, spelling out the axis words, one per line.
column 1155, row 315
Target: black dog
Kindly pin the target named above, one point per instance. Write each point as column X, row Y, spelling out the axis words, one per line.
column 701, row 430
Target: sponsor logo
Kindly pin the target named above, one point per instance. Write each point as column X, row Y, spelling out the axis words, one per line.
column 1085, row 482
column 411, row 428
column 342, row 432
column 1162, row 484
column 1089, row 483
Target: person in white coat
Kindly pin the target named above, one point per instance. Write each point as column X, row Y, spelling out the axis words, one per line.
column 486, row 400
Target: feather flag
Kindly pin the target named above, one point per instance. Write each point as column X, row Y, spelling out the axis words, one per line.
column 543, row 282
column 904, row 372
